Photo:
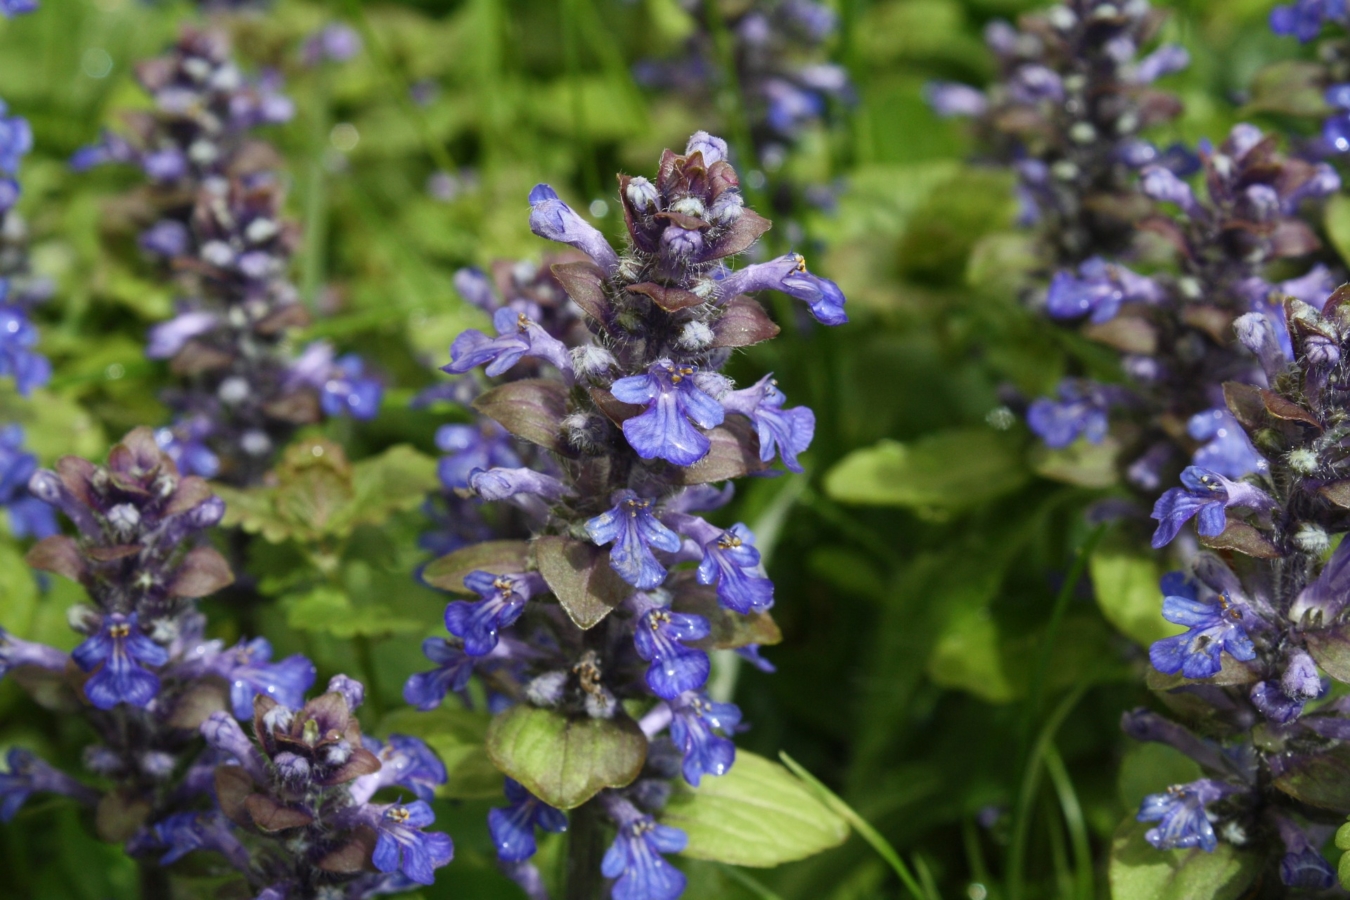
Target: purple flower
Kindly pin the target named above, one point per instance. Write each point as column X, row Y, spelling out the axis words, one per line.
column 471, row 447
column 167, row 238
column 121, row 649
column 675, row 668
column 1303, row 19
column 1180, row 814
column 334, row 42
column 693, row 719
column 1212, row 627
column 16, row 139
column 731, row 562
column 635, row 860
column 950, row 99
column 402, row 846
column 167, row 338
column 28, row 516
column 503, row 484
column 1098, row 291
column 1228, row 450
column 16, row 652
column 28, row 775
column 1205, row 494
column 477, row 623
column 248, row 669
column 512, row 828
column 185, row 832
column 634, row 531
column 785, row 431
column 1080, row 410
column 1302, row 865
column 751, row 654
column 404, row 761
column 185, row 443
column 347, row 392
column 426, row 690
column 1163, row 185
column 518, row 336
column 13, row 8
column 17, row 338
column 1166, row 60
column 675, row 404
column 553, row 219
column 789, row 275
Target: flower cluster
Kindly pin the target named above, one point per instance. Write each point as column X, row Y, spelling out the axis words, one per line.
column 144, row 675
column 1251, row 674
column 1173, row 329
column 300, row 795
column 1068, row 112
column 628, row 423
column 217, row 226
column 785, row 85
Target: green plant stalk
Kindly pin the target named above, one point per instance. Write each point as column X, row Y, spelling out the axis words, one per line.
column 1072, row 810
column 1037, row 686
column 585, row 849
column 1031, row 780
column 744, row 879
column 316, row 199
column 858, row 824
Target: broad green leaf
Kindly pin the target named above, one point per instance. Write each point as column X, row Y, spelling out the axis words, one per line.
column 1149, row 768
column 757, row 814
column 1082, row 463
column 497, row 557
column 331, row 611
column 1126, row 587
column 1319, row 779
column 1141, row 872
column 948, row 470
column 1338, row 224
column 967, row 656
column 566, row 761
column 18, row 592
column 396, row 480
column 53, row 426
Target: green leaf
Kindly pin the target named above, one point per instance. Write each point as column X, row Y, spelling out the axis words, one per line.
column 331, row 611
column 53, row 425
column 1319, row 779
column 18, row 592
column 1141, row 872
column 497, row 557
column 1126, row 587
column 1150, row 768
column 566, row 761
column 757, row 814
column 1337, row 212
column 1082, row 463
column 948, row 470
column 580, row 576
column 396, row 480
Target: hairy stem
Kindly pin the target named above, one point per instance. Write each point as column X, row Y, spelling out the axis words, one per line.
column 585, row 848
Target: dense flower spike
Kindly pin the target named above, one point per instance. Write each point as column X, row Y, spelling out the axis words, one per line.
column 1069, row 109
column 608, row 370
column 216, row 227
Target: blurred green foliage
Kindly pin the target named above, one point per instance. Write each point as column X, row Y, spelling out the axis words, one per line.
column 919, row 560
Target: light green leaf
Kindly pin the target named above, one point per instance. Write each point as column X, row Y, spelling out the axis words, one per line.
column 948, row 470
column 396, row 480
column 1126, row 586
column 1082, row 463
column 331, row 611
column 967, row 656
column 1140, row 872
column 1338, row 224
column 18, row 592
column 566, row 761
column 757, row 814
column 1149, row 768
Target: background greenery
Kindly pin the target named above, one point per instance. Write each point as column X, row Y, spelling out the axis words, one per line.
column 947, row 666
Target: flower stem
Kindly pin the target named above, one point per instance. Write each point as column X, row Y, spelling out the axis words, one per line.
column 585, row 849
